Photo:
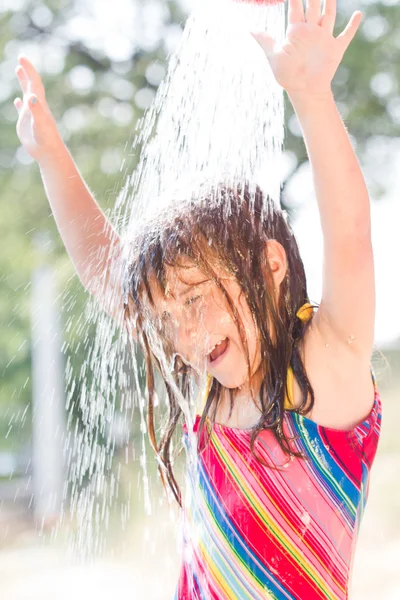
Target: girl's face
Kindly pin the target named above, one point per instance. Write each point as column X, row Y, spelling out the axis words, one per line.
column 196, row 317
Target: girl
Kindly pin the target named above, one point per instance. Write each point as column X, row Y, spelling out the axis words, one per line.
column 291, row 417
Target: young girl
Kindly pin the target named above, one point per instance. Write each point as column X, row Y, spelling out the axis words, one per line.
column 291, row 417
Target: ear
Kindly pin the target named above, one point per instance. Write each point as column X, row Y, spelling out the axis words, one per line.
column 276, row 256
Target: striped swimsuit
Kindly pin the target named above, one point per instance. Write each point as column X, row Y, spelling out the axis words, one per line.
column 252, row 532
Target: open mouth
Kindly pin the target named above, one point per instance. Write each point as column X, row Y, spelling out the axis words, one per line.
column 218, row 352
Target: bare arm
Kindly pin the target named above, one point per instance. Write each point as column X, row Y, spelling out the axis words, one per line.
column 305, row 65
column 348, row 295
column 88, row 236
column 90, row 239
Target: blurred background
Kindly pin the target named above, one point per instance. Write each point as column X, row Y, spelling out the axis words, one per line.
column 101, row 63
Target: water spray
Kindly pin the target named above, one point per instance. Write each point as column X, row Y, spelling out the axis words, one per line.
column 217, row 114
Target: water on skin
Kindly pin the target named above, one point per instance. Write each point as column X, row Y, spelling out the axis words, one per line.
column 217, row 115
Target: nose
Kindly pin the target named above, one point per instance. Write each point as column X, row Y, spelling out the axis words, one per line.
column 188, row 339
column 186, row 329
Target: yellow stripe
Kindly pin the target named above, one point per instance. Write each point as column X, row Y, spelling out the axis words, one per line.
column 218, row 576
column 235, row 557
column 270, row 525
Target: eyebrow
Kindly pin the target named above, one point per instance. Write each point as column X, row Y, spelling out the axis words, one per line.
column 191, row 287
column 185, row 293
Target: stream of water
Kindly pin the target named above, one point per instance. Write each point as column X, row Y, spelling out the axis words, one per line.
column 217, row 116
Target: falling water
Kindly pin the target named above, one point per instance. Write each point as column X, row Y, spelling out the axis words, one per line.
column 219, row 112
column 218, row 116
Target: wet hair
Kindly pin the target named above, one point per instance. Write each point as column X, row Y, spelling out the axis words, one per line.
column 228, row 223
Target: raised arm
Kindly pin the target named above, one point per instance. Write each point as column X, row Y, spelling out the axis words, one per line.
column 90, row 239
column 347, row 307
column 305, row 67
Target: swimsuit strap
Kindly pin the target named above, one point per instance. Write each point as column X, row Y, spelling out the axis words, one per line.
column 304, row 313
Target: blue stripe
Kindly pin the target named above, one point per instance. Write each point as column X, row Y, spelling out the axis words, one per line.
column 335, row 483
column 248, row 558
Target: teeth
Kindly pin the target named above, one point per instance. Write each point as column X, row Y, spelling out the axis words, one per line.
column 218, row 344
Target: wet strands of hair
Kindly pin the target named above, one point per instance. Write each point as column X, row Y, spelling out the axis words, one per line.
column 252, row 252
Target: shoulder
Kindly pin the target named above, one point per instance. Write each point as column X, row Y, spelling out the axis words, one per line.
column 341, row 378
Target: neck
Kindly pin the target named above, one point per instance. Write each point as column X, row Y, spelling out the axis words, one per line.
column 247, row 393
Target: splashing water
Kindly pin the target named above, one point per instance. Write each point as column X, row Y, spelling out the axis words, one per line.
column 219, row 110
column 218, row 116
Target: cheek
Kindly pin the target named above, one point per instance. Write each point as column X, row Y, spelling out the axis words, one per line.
column 247, row 320
column 215, row 314
column 251, row 331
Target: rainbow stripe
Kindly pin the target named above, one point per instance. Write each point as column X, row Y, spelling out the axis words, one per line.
column 252, row 532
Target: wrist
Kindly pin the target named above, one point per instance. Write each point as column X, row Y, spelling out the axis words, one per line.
column 52, row 156
column 305, row 97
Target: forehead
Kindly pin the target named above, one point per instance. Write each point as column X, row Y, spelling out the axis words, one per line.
column 179, row 279
column 183, row 277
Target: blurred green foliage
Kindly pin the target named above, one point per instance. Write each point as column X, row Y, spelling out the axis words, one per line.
column 98, row 89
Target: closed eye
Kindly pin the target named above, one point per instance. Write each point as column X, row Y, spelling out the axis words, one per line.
column 166, row 315
column 192, row 300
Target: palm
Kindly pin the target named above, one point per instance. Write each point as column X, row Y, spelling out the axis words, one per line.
column 35, row 134
column 308, row 58
column 26, row 131
column 310, row 55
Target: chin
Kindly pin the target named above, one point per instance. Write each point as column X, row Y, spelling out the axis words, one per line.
column 232, row 382
column 239, row 379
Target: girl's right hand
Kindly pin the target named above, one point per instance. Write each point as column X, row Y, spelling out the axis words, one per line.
column 36, row 127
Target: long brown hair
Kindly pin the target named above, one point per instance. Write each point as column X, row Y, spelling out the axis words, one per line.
column 230, row 223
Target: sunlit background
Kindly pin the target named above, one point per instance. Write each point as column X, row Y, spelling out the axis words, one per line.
column 101, row 63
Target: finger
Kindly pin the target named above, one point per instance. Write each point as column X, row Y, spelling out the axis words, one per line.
column 266, row 42
column 350, row 31
column 22, row 79
column 296, row 11
column 33, row 76
column 18, row 104
column 33, row 103
column 313, row 11
column 328, row 18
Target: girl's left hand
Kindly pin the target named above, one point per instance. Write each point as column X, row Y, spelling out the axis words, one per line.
column 310, row 55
